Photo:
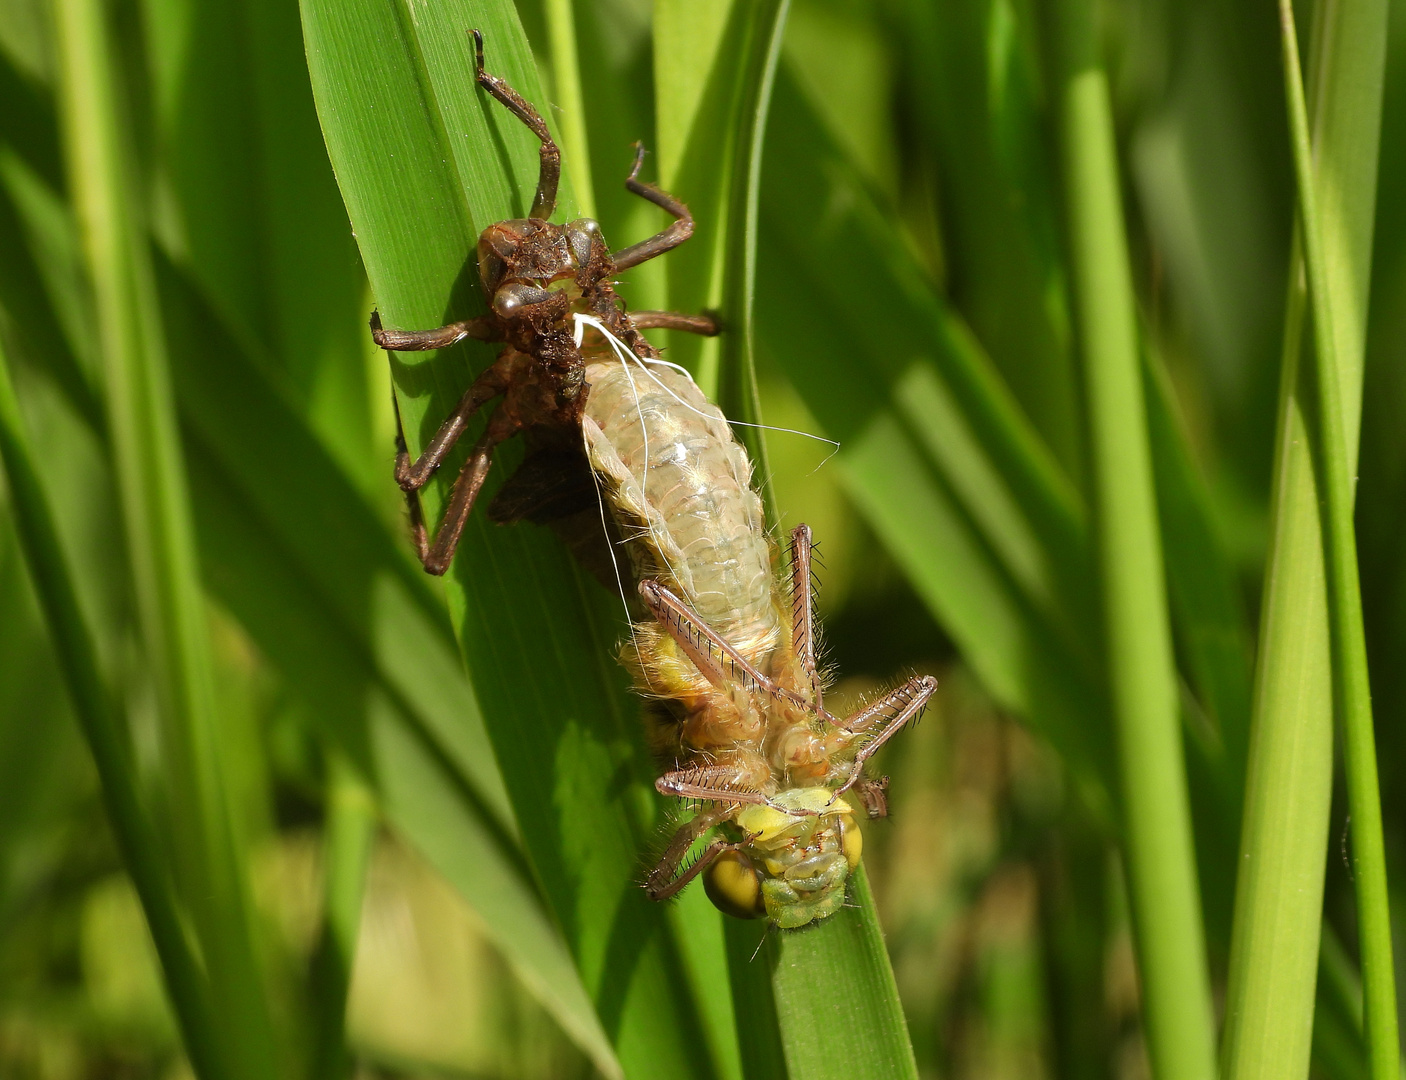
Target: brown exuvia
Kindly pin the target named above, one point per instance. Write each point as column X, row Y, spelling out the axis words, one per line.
column 537, row 277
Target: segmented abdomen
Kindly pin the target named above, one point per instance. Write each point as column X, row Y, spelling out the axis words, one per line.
column 681, row 488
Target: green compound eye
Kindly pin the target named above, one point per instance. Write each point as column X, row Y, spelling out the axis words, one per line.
column 732, row 885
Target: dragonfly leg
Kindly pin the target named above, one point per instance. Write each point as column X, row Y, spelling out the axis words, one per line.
column 884, row 719
column 729, row 784
column 483, row 328
column 704, row 325
column 437, row 556
column 671, row 237
column 665, row 880
column 545, row 201
column 803, row 607
column 715, row 659
column 874, row 795
column 413, row 475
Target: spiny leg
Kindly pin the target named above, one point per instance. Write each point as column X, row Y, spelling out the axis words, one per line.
column 715, row 659
column 803, row 607
column 662, row 882
column 483, row 328
column 670, row 238
column 545, row 201
column 705, row 325
column 885, row 718
column 711, row 783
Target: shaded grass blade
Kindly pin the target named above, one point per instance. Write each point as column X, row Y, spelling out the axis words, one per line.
column 136, row 836
column 971, row 68
column 1335, row 467
column 1275, row 954
column 348, row 830
column 147, row 453
column 347, row 624
column 934, row 450
column 1158, row 843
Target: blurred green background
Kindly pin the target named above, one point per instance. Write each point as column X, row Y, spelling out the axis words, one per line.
column 913, row 302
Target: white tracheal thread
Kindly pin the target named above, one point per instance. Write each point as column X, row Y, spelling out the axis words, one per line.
column 627, row 355
column 721, row 564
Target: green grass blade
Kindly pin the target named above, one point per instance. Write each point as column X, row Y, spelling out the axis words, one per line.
column 348, row 829
column 842, row 958
column 136, row 837
column 159, row 533
column 1275, row 954
column 1288, row 785
column 571, row 110
column 1214, row 644
column 1178, row 1018
column 1352, row 687
column 836, row 1015
column 345, row 623
column 934, row 450
column 737, row 383
column 424, row 161
column 976, row 110
column 350, row 625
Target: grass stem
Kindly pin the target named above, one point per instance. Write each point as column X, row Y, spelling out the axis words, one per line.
column 1352, row 688
column 148, row 464
column 77, row 657
column 1142, row 681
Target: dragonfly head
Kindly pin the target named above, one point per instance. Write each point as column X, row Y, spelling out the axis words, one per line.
column 795, row 861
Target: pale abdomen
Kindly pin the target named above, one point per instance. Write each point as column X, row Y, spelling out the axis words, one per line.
column 680, row 487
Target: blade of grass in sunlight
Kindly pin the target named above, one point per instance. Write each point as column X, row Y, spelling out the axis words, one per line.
column 818, row 974
column 136, row 837
column 1288, row 785
column 737, row 376
column 424, row 160
column 570, row 108
column 1214, row 643
column 1158, row 841
column 160, row 539
column 1351, row 684
column 350, row 627
column 1285, row 832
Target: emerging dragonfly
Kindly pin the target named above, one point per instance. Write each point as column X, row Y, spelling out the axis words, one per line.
column 728, row 660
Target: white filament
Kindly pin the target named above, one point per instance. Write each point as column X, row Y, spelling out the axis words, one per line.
column 627, row 354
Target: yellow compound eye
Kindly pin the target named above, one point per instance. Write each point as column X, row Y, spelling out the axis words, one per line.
column 732, row 885
column 851, row 841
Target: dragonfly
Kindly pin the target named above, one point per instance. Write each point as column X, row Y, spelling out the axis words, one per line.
column 771, row 783
column 727, row 660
